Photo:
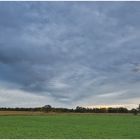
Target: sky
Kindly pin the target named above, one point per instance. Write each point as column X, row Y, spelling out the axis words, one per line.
column 69, row 54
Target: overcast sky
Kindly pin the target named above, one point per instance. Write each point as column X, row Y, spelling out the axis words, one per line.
column 69, row 53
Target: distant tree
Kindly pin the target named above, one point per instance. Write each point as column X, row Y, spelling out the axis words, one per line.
column 134, row 111
column 46, row 108
column 103, row 110
column 138, row 108
column 112, row 110
column 122, row 110
column 80, row 109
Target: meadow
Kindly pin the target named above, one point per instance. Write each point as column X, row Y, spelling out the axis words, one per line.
column 70, row 126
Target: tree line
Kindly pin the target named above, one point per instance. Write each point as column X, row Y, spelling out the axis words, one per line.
column 78, row 109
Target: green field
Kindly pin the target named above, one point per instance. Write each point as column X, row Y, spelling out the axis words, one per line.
column 70, row 126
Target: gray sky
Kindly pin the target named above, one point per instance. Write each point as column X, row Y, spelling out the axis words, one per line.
column 69, row 53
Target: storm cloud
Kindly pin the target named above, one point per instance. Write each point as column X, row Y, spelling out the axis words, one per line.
column 69, row 53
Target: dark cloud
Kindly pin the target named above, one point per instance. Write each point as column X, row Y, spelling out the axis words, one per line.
column 69, row 53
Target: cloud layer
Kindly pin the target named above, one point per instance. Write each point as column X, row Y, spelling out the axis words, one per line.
column 69, row 53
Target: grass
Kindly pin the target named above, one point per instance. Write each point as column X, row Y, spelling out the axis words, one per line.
column 70, row 126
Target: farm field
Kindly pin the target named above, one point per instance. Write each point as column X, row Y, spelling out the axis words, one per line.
column 70, row 126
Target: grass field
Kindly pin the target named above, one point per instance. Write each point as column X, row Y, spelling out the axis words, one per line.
column 70, row 126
